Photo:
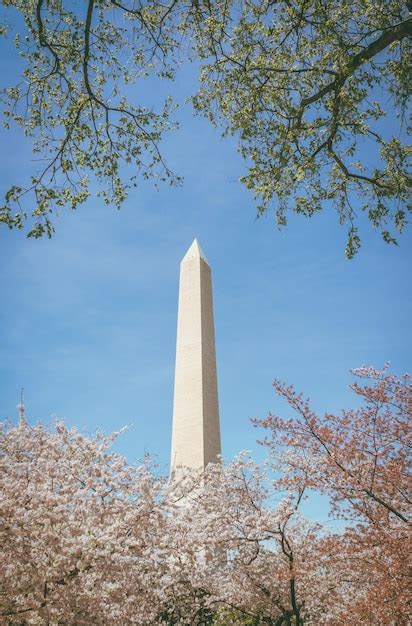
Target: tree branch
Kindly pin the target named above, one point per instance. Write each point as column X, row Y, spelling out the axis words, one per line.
column 397, row 33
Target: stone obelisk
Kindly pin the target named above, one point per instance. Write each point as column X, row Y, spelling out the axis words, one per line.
column 196, row 429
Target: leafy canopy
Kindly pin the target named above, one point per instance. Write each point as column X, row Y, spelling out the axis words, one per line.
column 304, row 85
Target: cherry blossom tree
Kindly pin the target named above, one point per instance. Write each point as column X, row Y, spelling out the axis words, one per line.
column 359, row 459
column 88, row 538
column 255, row 561
column 77, row 528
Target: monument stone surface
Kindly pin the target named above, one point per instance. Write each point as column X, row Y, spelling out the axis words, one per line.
column 196, row 428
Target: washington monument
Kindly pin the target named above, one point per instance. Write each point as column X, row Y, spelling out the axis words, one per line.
column 196, row 430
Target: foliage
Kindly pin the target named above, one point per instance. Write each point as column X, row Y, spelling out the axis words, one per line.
column 303, row 84
column 73, row 102
column 87, row 538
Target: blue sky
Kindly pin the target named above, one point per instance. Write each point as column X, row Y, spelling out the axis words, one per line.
column 88, row 319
